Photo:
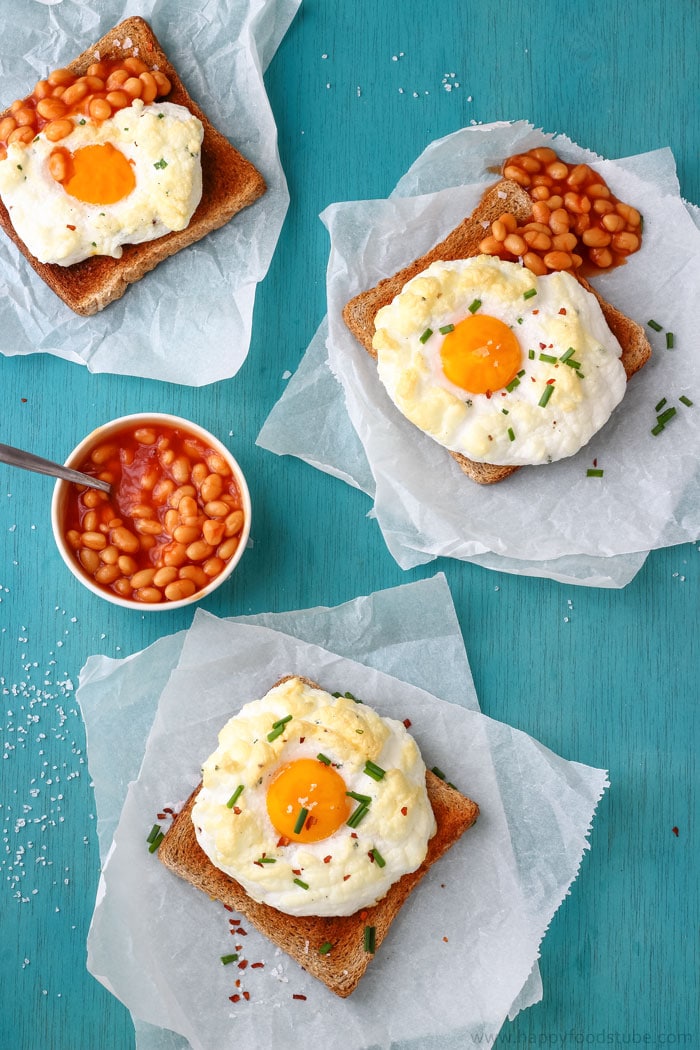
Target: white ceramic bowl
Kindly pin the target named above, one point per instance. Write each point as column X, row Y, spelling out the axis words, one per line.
column 64, row 491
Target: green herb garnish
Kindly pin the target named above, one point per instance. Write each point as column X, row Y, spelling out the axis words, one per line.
column 278, row 728
column 655, row 325
column 669, row 340
column 378, row 857
column 529, row 293
column 325, row 948
column 374, row 771
column 546, row 394
column 511, row 433
column 594, row 472
column 226, row 959
column 365, row 799
column 161, row 164
column 474, row 306
column 301, row 820
column 369, row 939
column 446, row 329
column 548, row 358
column 323, row 758
column 235, row 796
column 426, row 335
column 300, row 882
column 685, row 400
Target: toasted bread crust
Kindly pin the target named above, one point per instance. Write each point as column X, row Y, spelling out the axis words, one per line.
column 229, row 184
column 462, row 243
column 301, row 937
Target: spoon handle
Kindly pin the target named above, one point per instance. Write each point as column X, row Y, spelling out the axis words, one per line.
column 16, row 457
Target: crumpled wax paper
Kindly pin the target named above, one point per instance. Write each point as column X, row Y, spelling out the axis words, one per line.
column 189, row 320
column 553, row 522
column 476, row 920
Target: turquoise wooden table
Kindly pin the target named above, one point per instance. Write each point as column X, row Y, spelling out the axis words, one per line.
column 607, row 677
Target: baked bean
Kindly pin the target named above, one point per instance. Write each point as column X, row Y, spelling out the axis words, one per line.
column 558, row 260
column 149, row 91
column 582, row 223
column 91, row 521
column 61, row 78
column 175, row 554
column 180, row 469
column 625, row 241
column 58, row 165
column 602, row 206
column 216, row 508
column 498, row 230
column 125, row 540
column 535, row 263
column 180, row 492
column 188, row 507
column 110, row 555
column 613, row 222
column 89, row 559
column 103, row 453
column 25, row 117
column 489, row 246
column 196, row 574
column 135, row 65
column 218, row 464
column 118, row 99
column 22, row 135
column 596, row 238
column 147, row 527
column 544, row 154
column 213, row 566
column 98, row 69
column 213, row 486
column 541, row 212
column 163, row 490
column 556, row 170
column 73, row 537
column 94, row 83
column 142, row 578
column 146, row 436
column 7, row 126
column 234, row 522
column 58, row 129
column 127, row 564
column 42, row 89
column 133, row 87
column 213, row 532
column 150, row 595
column 171, row 520
column 515, row 244
column 162, row 577
column 540, row 242
column 539, row 193
column 116, row 79
column 509, row 221
column 516, row 174
column 579, row 174
column 75, row 93
column 555, row 201
column 162, row 82
column 122, row 587
column 199, row 550
column 94, row 541
column 200, row 471
column 179, row 589
column 602, row 257
column 576, row 203
column 186, row 534
column 100, row 109
column 628, row 213
column 228, row 548
column 107, row 574
column 598, row 190
column 559, row 221
column 565, row 242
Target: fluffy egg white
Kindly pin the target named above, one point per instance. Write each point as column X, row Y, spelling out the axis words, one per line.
column 148, row 156
column 297, row 758
column 498, row 364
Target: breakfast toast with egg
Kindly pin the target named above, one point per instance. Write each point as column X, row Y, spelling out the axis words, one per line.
column 463, row 242
column 341, row 966
column 229, row 184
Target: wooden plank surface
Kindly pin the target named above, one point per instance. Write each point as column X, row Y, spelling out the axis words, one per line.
column 610, row 678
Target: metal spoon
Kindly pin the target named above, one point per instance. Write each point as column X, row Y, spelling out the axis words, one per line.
column 17, row 458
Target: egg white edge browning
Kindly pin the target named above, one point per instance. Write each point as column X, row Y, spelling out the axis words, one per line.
column 508, row 426
column 348, row 733
column 162, row 140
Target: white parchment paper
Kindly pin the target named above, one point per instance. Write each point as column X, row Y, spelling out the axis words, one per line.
column 551, row 521
column 188, row 321
column 477, row 919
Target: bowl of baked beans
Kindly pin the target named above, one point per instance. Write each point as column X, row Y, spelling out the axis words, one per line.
column 173, row 526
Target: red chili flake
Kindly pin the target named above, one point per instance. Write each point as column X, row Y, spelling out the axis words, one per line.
column 242, row 964
column 235, row 998
column 282, row 841
column 489, row 394
column 353, row 835
column 446, row 940
column 542, row 346
column 246, row 996
column 258, row 862
column 550, row 382
column 675, row 831
column 310, row 821
column 257, row 966
column 237, row 982
column 297, row 996
column 404, row 810
column 345, row 878
column 407, row 723
column 296, row 871
column 241, row 933
column 237, row 810
column 535, row 311
column 595, row 462
column 563, row 310
column 302, row 739
column 167, row 809
column 327, row 860
column 228, row 907
column 371, row 856
column 69, row 227
column 23, row 400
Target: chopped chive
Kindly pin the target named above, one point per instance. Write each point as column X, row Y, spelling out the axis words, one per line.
column 567, row 354
column 357, row 815
column 378, row 857
column 156, row 842
column 300, row 882
column 301, row 820
column 546, row 394
column 665, row 416
column 366, row 799
column 521, row 373
column 346, row 696
column 512, row 385
column 281, row 721
column 323, row 758
column 531, row 355
column 657, row 429
column 655, row 325
column 266, row 860
column 669, row 340
column 325, row 948
column 505, row 411
column 226, row 959
column 580, row 375
column 154, row 831
column 374, row 771
column 571, row 363
column 685, row 400
column 529, row 293
column 161, row 163
column 446, row 329
column 369, row 939
column 278, row 728
column 594, row 472
column 549, row 358
column 519, row 320
column 235, row 796
column 438, row 773
column 426, row 335
column 511, row 433
column 474, row 306
column 660, row 405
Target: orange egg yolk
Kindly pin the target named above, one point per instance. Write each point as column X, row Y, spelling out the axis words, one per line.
column 99, row 174
column 481, row 354
column 307, row 784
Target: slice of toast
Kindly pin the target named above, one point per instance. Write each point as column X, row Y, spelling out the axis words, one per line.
column 229, row 184
column 461, row 243
column 301, row 937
